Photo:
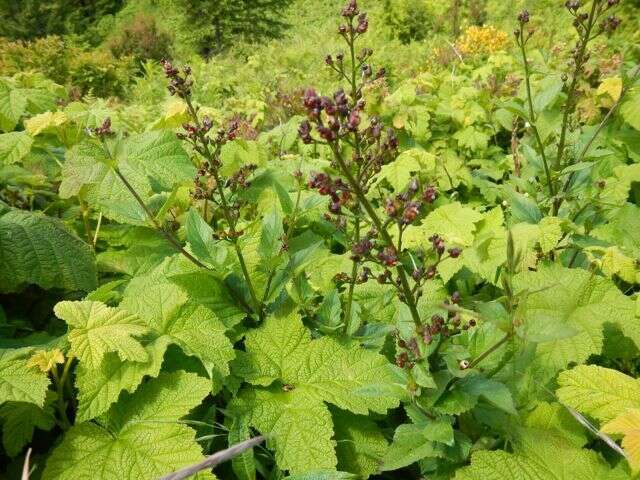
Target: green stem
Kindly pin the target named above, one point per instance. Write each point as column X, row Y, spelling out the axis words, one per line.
column 532, row 115
column 364, row 201
column 357, row 147
column 226, row 212
column 65, row 424
column 571, row 100
column 170, row 238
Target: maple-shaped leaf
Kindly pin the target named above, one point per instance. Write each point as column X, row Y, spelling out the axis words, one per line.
column 307, row 373
column 564, row 310
column 141, row 438
column 538, row 455
column 167, row 310
column 454, row 221
column 100, row 387
column 152, row 162
column 14, row 146
column 20, row 382
column 360, row 443
column 599, row 392
column 96, row 329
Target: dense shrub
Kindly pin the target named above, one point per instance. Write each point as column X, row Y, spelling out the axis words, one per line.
column 142, row 39
column 97, row 72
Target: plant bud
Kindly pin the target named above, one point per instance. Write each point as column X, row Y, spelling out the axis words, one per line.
column 523, row 16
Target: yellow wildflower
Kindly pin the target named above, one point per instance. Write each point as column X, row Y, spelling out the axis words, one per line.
column 482, row 40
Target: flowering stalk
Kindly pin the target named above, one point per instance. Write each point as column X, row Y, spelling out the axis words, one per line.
column 102, row 133
column 584, row 24
column 359, row 150
column 522, row 39
column 197, row 134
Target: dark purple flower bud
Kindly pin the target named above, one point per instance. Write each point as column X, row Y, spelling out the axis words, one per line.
column 366, row 71
column 363, row 23
column 455, row 297
column 351, row 9
column 328, row 60
column 304, row 131
column 573, row 5
column 430, row 194
column 455, row 252
column 327, row 133
column 411, row 211
column 354, row 120
column 431, row 272
column 388, row 256
column 310, row 99
column 523, row 16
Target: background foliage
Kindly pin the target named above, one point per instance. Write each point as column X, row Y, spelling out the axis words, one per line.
column 164, row 296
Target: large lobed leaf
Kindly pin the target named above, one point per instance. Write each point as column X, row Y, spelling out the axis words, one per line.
column 35, row 249
column 142, row 439
column 307, row 373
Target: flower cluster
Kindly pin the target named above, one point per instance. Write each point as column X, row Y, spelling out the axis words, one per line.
column 338, row 191
column 104, row 130
column 179, row 84
column 452, row 325
column 482, row 40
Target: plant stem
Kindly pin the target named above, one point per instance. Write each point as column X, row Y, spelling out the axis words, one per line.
column 356, row 220
column 65, row 424
column 491, row 349
column 226, row 212
column 364, row 201
column 170, row 238
column 532, row 114
column 571, row 100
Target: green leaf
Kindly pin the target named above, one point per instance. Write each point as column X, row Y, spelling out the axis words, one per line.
column 87, row 165
column 271, row 237
column 142, row 438
column 399, row 172
column 282, row 349
column 239, row 153
column 243, row 464
column 40, row 250
column 99, row 388
column 563, row 310
column 13, row 104
column 20, row 419
column 409, row 445
column 311, row 372
column 300, row 427
column 630, row 109
column 455, row 222
column 166, row 310
column 555, row 416
column 200, row 239
column 360, row 444
column 18, row 382
column 472, row 139
column 159, row 156
column 322, row 475
column 14, row 146
column 600, row 392
column 492, row 391
column 152, row 163
column 96, row 329
column 538, row 455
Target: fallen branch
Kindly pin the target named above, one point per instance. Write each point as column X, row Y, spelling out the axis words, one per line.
column 215, row 459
